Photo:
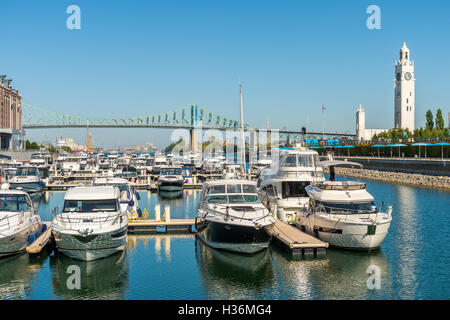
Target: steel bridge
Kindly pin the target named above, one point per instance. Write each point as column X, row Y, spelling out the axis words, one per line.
column 188, row 117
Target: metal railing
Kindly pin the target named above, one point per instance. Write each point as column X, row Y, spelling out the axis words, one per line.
column 228, row 216
column 110, row 219
column 13, row 220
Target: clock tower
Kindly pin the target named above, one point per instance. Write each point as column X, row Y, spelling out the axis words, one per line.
column 404, row 91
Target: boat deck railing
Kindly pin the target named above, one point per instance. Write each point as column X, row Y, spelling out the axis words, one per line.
column 335, row 210
column 101, row 222
column 13, row 220
column 227, row 214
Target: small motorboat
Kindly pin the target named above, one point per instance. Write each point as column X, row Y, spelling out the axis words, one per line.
column 27, row 178
column 20, row 224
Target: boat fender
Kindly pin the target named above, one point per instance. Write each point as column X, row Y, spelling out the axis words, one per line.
column 31, row 238
column 44, row 228
column 132, row 216
column 38, row 234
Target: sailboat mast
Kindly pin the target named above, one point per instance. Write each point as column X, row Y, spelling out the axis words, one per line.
column 88, row 142
column 242, row 131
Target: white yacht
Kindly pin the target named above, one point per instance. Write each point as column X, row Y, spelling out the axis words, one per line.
column 70, row 163
column 8, row 173
column 112, row 159
column 283, row 191
column 231, row 217
column 194, row 158
column 344, row 214
column 19, row 222
column 212, row 165
column 129, row 197
column 102, row 162
column 27, row 178
column 170, row 179
column 261, row 163
column 158, row 162
column 92, row 224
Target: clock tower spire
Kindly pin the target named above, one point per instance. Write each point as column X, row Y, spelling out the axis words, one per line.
column 404, row 100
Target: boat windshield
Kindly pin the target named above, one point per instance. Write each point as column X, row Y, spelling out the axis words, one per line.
column 233, row 188
column 300, row 160
column 171, row 171
column 349, row 207
column 294, row 189
column 238, row 198
column 30, row 171
column 14, row 202
column 109, row 205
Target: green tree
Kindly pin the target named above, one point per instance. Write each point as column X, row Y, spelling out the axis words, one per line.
column 439, row 120
column 429, row 124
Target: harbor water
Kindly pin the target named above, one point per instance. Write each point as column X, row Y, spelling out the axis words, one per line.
column 412, row 262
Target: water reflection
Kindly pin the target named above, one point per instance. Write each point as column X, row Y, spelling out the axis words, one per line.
column 227, row 275
column 37, row 198
column 161, row 244
column 407, row 240
column 171, row 194
column 100, row 279
column 17, row 275
column 338, row 275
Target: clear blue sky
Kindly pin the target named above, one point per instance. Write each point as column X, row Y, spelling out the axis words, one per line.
column 146, row 57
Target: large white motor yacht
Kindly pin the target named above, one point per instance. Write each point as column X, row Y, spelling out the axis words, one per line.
column 19, row 222
column 92, row 224
column 344, row 214
column 283, row 190
column 231, row 217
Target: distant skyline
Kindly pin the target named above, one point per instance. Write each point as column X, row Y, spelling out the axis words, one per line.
column 138, row 58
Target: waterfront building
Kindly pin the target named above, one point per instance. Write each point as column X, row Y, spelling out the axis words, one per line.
column 363, row 134
column 404, row 91
column 11, row 132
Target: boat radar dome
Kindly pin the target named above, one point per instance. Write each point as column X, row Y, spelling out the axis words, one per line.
column 5, row 186
column 110, row 174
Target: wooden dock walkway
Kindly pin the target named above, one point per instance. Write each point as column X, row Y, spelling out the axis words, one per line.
column 42, row 241
column 161, row 226
column 296, row 241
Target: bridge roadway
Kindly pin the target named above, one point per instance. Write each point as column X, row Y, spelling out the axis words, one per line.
column 181, row 126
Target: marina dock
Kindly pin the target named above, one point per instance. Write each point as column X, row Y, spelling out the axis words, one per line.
column 42, row 241
column 161, row 226
column 295, row 241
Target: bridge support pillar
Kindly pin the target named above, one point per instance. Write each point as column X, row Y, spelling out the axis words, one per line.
column 194, row 140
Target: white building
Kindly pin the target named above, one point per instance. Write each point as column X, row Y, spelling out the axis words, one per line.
column 363, row 134
column 404, row 91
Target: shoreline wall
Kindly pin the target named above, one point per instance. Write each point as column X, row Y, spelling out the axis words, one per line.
column 433, row 167
column 430, row 181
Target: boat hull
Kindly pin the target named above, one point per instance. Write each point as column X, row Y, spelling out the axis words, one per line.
column 17, row 242
column 234, row 238
column 91, row 247
column 29, row 187
column 170, row 186
column 346, row 235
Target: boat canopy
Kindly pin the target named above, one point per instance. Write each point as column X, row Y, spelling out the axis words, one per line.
column 337, row 163
column 92, row 193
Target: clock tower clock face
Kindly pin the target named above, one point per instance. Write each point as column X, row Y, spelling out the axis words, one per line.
column 398, row 76
column 408, row 76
